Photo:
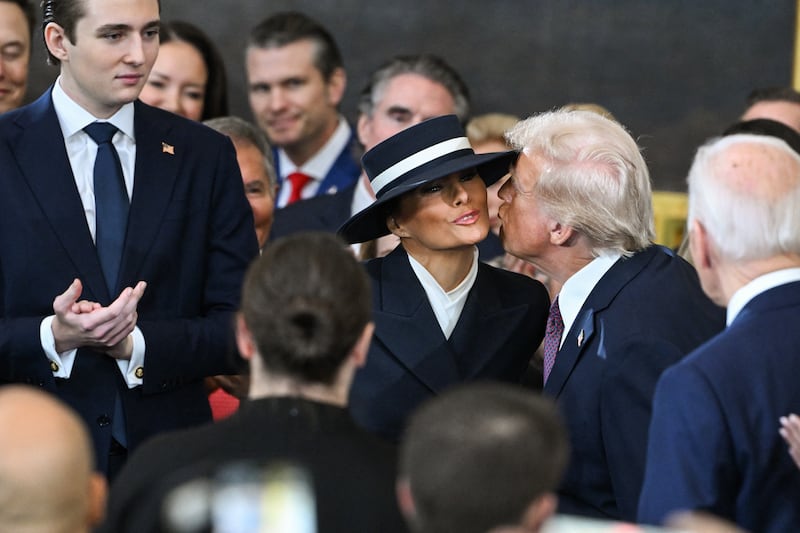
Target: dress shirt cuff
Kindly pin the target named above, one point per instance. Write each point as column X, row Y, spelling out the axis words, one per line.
column 60, row 363
column 133, row 368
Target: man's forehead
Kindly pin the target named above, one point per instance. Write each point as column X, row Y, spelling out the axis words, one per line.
column 410, row 91
column 120, row 13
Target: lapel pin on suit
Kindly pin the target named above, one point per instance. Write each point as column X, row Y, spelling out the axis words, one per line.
column 167, row 148
column 580, row 338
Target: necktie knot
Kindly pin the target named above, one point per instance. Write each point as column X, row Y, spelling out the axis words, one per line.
column 101, row 132
column 298, row 181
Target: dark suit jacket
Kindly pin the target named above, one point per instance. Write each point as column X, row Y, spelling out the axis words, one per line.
column 353, row 472
column 410, row 360
column 344, row 172
column 714, row 442
column 320, row 213
column 190, row 237
column 644, row 315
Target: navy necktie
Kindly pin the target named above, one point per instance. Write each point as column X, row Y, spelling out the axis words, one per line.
column 110, row 202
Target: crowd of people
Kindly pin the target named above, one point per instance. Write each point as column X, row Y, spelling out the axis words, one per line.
column 423, row 321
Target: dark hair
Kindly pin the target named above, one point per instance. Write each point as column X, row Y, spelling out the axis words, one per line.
column 306, row 301
column 65, row 13
column 216, row 93
column 773, row 94
column 479, row 455
column 428, row 66
column 291, row 26
column 29, row 10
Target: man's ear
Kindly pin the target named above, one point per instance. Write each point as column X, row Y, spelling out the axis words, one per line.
column 560, row 234
column 336, row 86
column 539, row 512
column 364, row 128
column 55, row 39
column 244, row 339
column 405, row 501
column 361, row 347
column 700, row 245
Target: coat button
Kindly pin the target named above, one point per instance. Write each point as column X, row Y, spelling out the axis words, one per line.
column 103, row 420
column 139, row 372
column 53, row 366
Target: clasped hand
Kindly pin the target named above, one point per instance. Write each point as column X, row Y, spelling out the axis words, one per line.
column 88, row 324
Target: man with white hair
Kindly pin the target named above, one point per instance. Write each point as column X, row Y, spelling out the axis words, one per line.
column 714, row 443
column 578, row 206
column 48, row 482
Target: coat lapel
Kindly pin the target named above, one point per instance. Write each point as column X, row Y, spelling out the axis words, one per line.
column 484, row 326
column 406, row 325
column 586, row 328
column 158, row 158
column 45, row 165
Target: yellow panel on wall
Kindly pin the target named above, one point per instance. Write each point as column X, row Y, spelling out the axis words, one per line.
column 670, row 209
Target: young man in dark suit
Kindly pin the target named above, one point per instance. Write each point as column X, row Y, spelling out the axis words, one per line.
column 714, row 440
column 122, row 257
column 578, row 206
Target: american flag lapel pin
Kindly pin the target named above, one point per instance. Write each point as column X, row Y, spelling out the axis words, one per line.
column 580, row 339
column 167, row 148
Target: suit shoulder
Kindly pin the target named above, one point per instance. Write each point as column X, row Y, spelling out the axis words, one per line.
column 197, row 132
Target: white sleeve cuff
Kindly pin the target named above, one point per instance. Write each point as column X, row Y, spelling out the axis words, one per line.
column 60, row 364
column 133, row 369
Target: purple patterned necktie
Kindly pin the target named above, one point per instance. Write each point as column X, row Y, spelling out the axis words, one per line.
column 552, row 337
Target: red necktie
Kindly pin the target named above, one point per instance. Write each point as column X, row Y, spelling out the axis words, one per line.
column 298, row 181
column 552, row 337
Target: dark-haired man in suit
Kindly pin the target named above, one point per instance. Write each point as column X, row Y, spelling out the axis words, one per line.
column 102, row 197
column 578, row 206
column 714, row 440
column 296, row 80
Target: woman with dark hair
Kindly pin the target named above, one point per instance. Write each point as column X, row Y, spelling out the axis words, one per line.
column 441, row 317
column 188, row 77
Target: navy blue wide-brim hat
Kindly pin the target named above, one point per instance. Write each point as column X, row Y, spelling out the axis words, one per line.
column 420, row 154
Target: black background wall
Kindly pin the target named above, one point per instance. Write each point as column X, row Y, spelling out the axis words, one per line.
column 673, row 71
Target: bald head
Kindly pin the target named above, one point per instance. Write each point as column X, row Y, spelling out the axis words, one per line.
column 744, row 211
column 47, row 482
column 763, row 172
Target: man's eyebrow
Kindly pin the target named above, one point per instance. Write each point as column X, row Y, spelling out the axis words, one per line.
column 112, row 27
column 124, row 27
column 398, row 109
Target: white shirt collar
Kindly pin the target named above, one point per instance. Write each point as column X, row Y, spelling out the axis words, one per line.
column 73, row 118
column 362, row 197
column 447, row 306
column 755, row 287
column 320, row 163
column 580, row 285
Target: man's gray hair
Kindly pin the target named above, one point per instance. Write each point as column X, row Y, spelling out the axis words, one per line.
column 428, row 66
column 747, row 223
column 595, row 179
column 241, row 130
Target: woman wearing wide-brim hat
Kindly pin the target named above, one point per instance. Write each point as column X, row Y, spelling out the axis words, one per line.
column 441, row 317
